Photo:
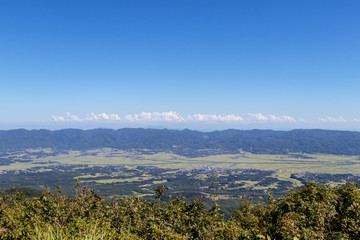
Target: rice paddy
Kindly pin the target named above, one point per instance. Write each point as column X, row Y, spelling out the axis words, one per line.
column 315, row 163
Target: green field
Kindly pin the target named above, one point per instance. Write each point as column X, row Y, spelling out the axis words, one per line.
column 120, row 173
column 315, row 163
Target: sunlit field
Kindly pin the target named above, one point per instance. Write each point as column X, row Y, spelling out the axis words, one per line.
column 315, row 163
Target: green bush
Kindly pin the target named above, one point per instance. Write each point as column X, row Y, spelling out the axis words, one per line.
column 314, row 211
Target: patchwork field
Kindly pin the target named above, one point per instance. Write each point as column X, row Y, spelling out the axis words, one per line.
column 113, row 172
column 314, row 163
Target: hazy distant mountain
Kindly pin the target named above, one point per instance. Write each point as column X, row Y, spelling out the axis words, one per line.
column 187, row 142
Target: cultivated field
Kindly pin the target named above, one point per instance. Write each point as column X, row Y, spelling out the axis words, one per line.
column 315, row 163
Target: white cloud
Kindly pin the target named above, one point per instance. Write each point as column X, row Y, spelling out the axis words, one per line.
column 332, row 119
column 132, row 118
column 67, row 118
column 57, row 118
column 72, row 117
column 167, row 116
column 283, row 118
column 155, row 116
column 175, row 117
column 114, row 117
column 205, row 117
column 91, row 117
column 172, row 116
column 102, row 116
column 357, row 120
column 258, row 116
column 271, row 118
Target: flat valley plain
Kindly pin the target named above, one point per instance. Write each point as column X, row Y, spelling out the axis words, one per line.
column 113, row 172
column 46, row 159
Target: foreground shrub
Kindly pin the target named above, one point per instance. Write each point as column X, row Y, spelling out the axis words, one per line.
column 314, row 211
column 86, row 216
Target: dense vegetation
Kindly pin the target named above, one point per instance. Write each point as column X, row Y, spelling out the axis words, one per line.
column 121, row 181
column 187, row 142
column 314, row 211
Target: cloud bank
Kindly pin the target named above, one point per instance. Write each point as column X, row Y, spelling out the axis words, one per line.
column 172, row 116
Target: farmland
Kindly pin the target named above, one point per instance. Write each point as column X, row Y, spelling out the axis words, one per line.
column 46, row 159
column 114, row 172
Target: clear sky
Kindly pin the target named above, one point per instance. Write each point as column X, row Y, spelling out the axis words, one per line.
column 200, row 64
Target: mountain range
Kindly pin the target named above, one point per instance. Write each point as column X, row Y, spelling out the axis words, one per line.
column 187, row 142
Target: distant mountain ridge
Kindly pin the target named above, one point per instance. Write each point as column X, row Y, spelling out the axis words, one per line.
column 187, row 142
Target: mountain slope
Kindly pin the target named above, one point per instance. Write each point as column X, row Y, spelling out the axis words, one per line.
column 187, row 142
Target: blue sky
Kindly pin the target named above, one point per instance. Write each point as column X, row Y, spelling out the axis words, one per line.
column 195, row 64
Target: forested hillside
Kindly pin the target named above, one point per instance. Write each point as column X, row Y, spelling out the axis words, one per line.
column 187, row 142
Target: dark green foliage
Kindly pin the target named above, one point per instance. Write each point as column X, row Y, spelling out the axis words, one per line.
column 314, row 211
column 27, row 191
column 160, row 190
column 134, row 218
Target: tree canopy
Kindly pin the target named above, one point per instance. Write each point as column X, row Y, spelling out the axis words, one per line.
column 314, row 211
